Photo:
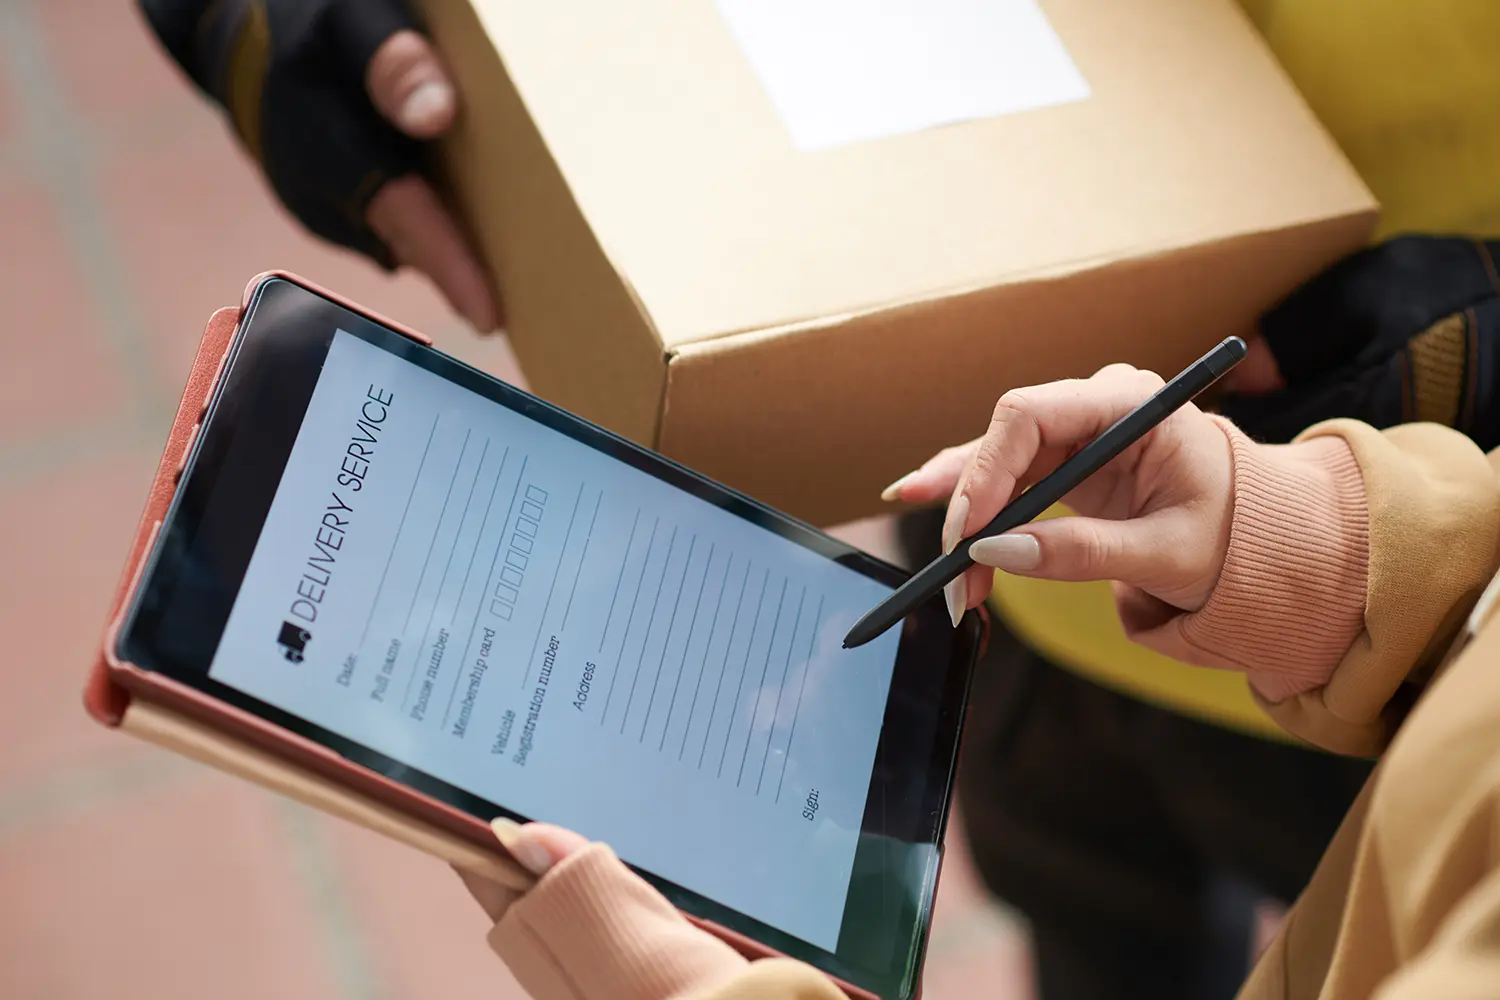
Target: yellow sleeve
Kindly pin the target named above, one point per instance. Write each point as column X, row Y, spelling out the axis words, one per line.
column 1434, row 535
column 775, row 979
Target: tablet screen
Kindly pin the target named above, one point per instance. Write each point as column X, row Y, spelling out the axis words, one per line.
column 451, row 583
column 477, row 595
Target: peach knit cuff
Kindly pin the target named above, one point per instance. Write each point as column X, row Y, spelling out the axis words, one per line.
column 1291, row 598
column 591, row 929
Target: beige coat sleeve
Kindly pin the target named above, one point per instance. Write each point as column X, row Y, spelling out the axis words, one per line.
column 1434, row 543
column 1464, row 962
column 591, row 929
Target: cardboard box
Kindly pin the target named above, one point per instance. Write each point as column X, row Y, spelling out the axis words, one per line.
column 686, row 259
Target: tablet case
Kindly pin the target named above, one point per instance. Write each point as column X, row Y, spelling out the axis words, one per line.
column 112, row 705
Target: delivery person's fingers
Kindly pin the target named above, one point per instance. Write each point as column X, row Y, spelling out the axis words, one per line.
column 333, row 99
column 1257, row 375
column 409, row 217
column 1361, row 310
column 1448, row 373
column 409, row 86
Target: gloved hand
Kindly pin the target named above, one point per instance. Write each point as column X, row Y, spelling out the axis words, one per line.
column 334, row 99
column 1404, row 331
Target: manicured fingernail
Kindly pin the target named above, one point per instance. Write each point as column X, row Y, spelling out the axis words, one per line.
column 893, row 491
column 953, row 527
column 426, row 106
column 529, row 853
column 1011, row 552
column 957, row 596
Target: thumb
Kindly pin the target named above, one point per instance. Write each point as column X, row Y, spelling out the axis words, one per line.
column 409, row 86
column 1141, row 552
column 537, row 846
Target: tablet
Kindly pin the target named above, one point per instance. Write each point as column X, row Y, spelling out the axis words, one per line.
column 508, row 611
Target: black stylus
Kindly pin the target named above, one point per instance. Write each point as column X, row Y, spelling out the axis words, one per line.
column 1059, row 483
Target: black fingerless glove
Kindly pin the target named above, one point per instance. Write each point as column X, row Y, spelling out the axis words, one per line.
column 291, row 75
column 1405, row 331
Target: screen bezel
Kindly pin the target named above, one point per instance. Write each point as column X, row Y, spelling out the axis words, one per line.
column 271, row 368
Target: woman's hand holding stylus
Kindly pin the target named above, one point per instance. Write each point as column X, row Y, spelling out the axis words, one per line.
column 1156, row 519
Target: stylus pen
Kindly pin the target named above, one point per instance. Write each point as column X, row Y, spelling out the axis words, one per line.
column 1059, row 483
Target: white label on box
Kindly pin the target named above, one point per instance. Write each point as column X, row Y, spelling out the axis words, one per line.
column 843, row 71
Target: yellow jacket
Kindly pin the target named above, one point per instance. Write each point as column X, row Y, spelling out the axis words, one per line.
column 1410, row 91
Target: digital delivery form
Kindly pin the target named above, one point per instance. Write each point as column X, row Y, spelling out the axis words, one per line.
column 487, row 600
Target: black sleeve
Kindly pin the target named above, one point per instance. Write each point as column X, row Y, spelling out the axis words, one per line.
column 1363, row 309
column 1405, row 332
column 291, row 76
column 175, row 24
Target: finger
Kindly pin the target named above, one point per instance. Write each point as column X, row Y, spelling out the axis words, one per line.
column 970, row 590
column 1379, row 396
column 558, row 843
column 374, row 44
column 934, row 479
column 407, row 214
column 537, row 846
column 492, row 897
column 1258, row 374
column 1136, row 552
column 409, row 86
column 1364, row 307
column 1058, row 416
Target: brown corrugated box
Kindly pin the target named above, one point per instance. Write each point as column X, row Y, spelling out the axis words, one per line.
column 807, row 325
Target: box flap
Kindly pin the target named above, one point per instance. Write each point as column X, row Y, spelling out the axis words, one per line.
column 694, row 190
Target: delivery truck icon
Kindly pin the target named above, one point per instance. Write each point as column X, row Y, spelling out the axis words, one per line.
column 293, row 642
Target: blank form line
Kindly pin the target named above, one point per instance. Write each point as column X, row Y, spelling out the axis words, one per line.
column 791, row 645
column 744, row 670
column 581, row 561
column 442, row 516
column 623, row 563
column 400, row 527
column 629, row 621
column 489, row 577
column 812, row 648
column 650, row 620
column 760, row 686
column 427, row 561
column 562, row 557
column 713, row 630
column 739, row 603
column 666, row 642
column 489, row 508
column 447, row 568
column 686, row 647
